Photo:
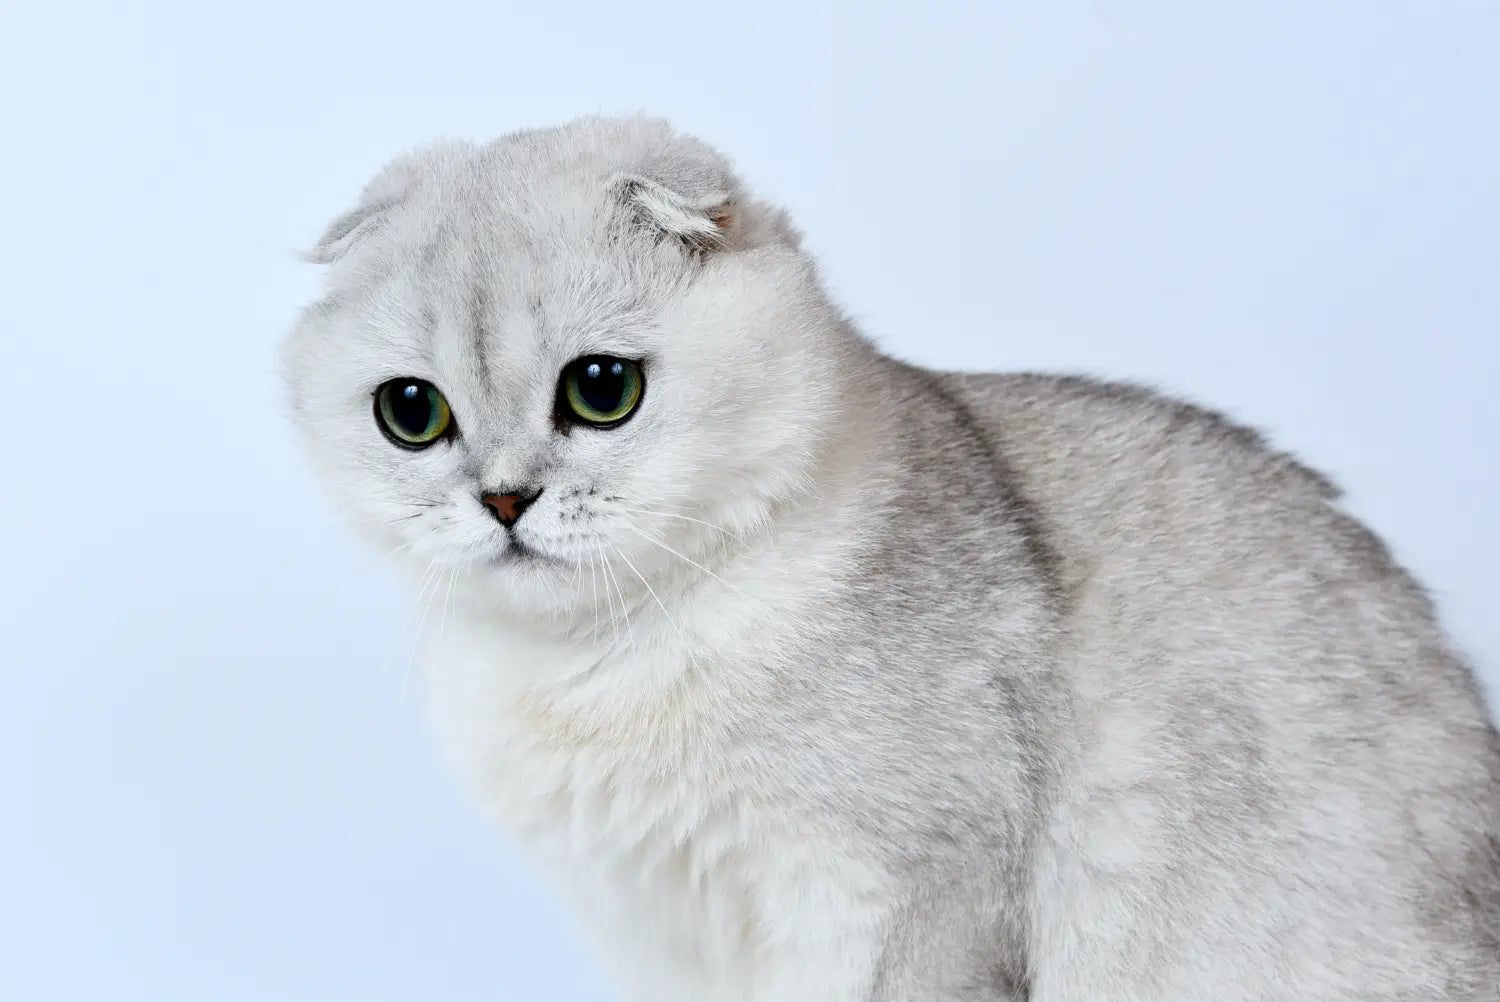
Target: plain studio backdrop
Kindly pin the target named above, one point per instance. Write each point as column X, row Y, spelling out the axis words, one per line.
column 216, row 773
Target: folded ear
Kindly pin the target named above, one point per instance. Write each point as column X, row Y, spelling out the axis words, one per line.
column 388, row 189
column 684, row 189
column 702, row 216
column 345, row 231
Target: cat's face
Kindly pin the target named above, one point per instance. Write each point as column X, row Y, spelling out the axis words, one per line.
column 564, row 365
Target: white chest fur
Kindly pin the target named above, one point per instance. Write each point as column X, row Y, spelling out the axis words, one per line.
column 664, row 822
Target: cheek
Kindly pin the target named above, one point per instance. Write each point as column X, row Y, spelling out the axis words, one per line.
column 395, row 493
column 669, row 464
column 722, row 423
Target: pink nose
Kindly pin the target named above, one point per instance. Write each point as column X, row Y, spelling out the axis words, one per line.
column 508, row 508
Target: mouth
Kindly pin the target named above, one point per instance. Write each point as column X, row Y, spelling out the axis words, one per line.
column 518, row 552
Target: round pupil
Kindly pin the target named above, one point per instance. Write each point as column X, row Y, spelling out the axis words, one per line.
column 411, row 409
column 603, row 386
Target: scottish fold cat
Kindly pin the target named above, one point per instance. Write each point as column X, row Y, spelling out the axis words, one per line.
column 814, row 676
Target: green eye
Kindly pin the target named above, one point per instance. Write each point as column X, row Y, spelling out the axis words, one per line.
column 600, row 390
column 412, row 412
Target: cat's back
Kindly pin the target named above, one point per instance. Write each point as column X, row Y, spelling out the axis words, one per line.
column 1195, row 523
column 1267, row 710
column 1181, row 535
column 1129, row 479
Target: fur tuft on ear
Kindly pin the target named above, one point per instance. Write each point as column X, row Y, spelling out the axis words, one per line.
column 703, row 220
column 681, row 187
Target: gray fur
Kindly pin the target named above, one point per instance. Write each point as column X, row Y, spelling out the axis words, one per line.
column 1072, row 691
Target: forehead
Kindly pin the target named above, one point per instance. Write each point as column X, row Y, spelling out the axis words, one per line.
column 521, row 231
column 525, row 277
column 487, row 284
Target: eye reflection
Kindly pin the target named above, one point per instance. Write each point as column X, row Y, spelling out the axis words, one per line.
column 412, row 412
column 600, row 390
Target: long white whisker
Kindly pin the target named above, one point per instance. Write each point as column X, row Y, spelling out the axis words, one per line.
column 430, row 577
column 685, row 518
column 594, row 587
column 614, row 623
column 411, row 660
column 447, row 603
column 609, row 574
column 404, row 546
column 659, row 602
column 650, row 539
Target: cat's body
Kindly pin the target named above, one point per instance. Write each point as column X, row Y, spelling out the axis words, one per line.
column 870, row 684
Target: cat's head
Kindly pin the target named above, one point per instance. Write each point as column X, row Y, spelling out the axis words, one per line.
column 565, row 354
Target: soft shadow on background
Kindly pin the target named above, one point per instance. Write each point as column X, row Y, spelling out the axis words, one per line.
column 216, row 775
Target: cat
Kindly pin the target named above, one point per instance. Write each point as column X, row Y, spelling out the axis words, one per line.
column 811, row 675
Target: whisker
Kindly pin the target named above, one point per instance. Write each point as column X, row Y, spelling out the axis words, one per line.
column 608, row 598
column 659, row 602
column 419, row 499
column 429, row 576
column 404, row 546
column 609, row 574
column 594, row 587
column 411, row 660
column 650, row 539
column 447, row 603
column 686, row 518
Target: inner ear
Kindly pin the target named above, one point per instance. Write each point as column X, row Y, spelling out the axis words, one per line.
column 704, row 221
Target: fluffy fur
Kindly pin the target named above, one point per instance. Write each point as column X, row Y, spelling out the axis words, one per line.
column 832, row 679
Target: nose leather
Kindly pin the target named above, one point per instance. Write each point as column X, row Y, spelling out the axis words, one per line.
column 509, row 507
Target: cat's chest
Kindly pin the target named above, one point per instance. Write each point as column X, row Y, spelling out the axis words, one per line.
column 667, row 824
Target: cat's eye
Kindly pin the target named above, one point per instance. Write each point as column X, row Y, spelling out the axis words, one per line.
column 412, row 412
column 600, row 390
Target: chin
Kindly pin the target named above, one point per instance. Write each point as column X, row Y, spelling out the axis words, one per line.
column 525, row 582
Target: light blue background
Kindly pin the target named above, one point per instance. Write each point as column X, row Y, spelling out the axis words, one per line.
column 216, row 778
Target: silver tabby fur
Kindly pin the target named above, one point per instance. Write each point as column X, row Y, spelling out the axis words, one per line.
column 829, row 678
